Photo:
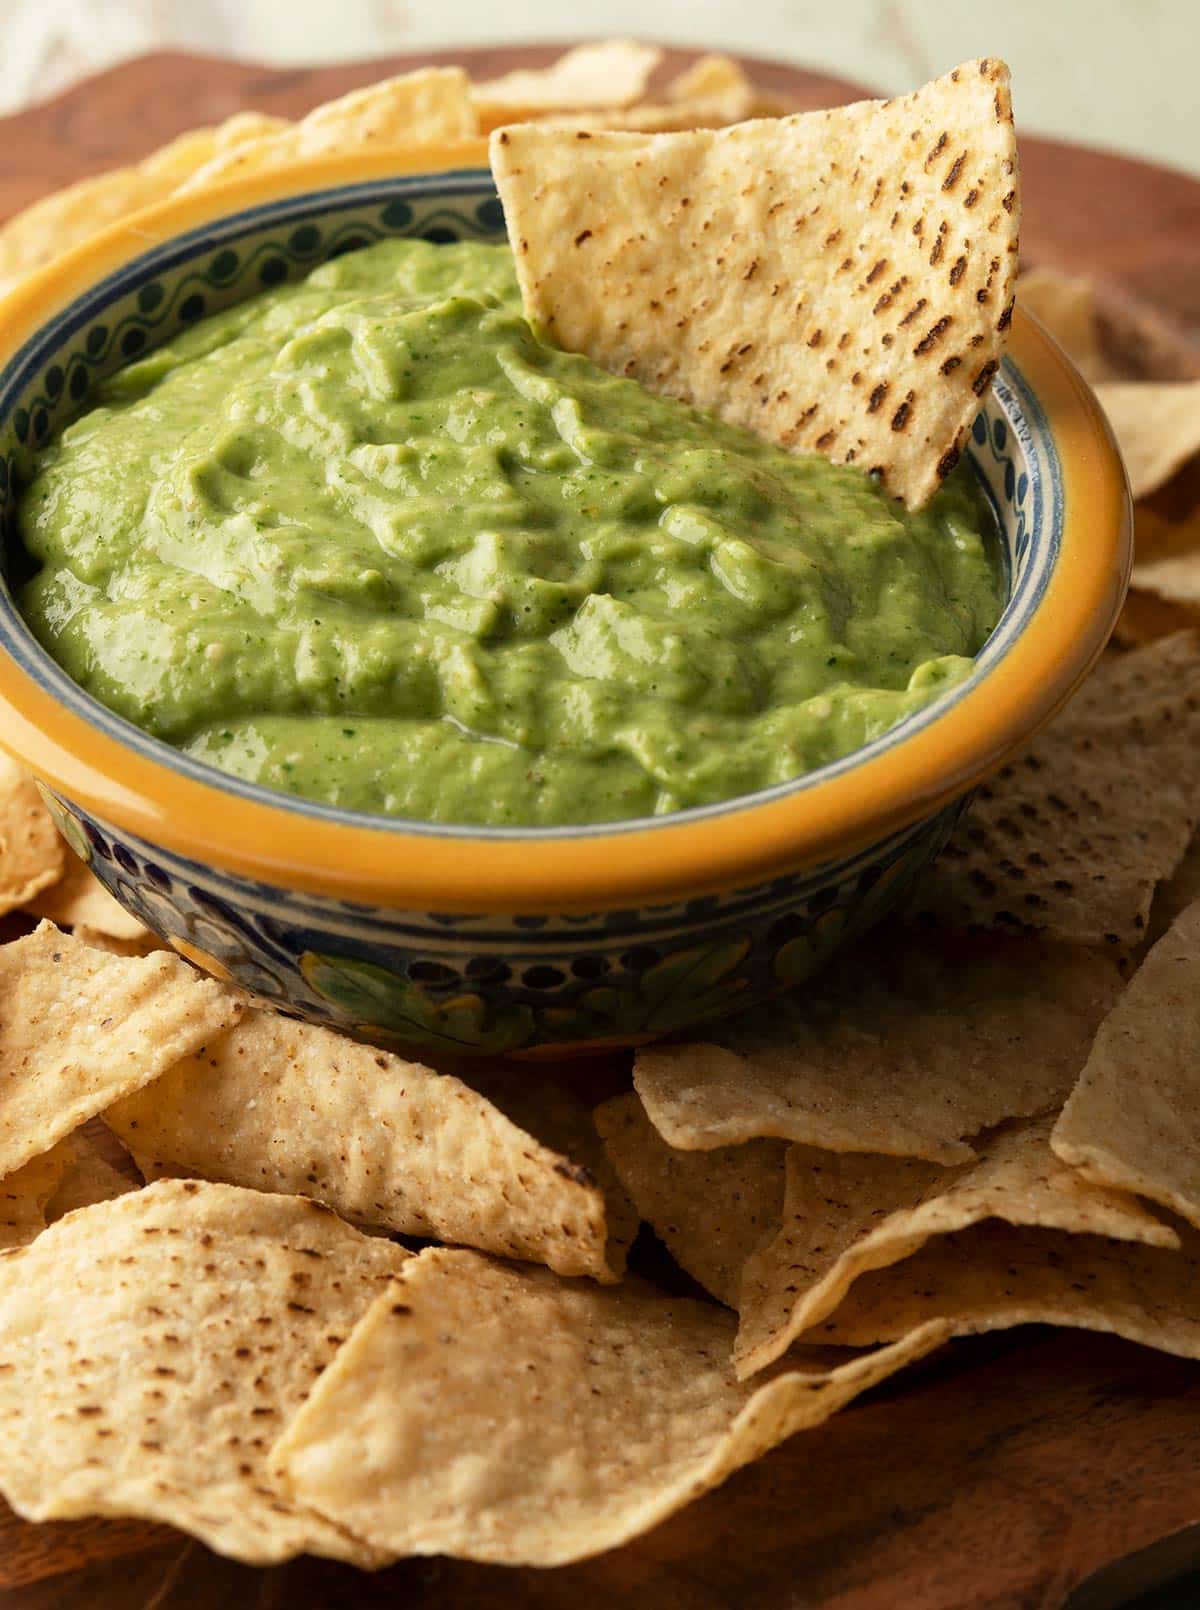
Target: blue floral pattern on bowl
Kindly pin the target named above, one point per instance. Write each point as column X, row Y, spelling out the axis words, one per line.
column 436, row 981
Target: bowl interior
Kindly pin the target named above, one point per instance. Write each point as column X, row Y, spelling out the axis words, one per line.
column 151, row 298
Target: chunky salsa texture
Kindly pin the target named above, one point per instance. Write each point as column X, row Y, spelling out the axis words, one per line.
column 368, row 540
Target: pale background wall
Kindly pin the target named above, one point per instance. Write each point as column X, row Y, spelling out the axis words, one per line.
column 1121, row 73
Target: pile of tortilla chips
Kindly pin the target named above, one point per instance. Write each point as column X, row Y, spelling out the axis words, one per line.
column 290, row 1293
column 603, row 86
column 1149, row 387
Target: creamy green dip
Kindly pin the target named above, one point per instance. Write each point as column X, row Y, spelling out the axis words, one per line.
column 367, row 540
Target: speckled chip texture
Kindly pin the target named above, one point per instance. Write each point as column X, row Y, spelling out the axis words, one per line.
column 909, row 1044
column 25, row 1195
column 1071, row 837
column 494, row 1413
column 156, row 1345
column 712, row 1209
column 32, row 854
column 1133, row 1120
column 80, row 1028
column 845, row 1216
column 837, row 282
column 994, row 1276
column 286, row 1106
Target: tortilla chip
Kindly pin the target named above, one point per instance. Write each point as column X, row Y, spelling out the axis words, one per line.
column 1173, row 897
column 649, row 118
column 1133, row 1120
column 154, row 1346
column 1157, row 537
column 994, row 1276
column 865, row 325
column 68, row 217
column 559, row 1117
column 611, row 72
column 492, row 1413
column 292, row 1107
column 79, row 1029
column 25, row 1193
column 90, row 1174
column 143, row 945
column 1157, row 427
column 845, row 1216
column 1070, row 838
column 711, row 78
column 80, row 899
column 907, row 1045
column 32, row 853
column 710, row 1209
column 1067, row 307
column 1177, row 579
column 712, row 93
column 1144, row 619
column 425, row 107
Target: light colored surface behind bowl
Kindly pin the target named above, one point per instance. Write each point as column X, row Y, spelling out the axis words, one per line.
column 1117, row 73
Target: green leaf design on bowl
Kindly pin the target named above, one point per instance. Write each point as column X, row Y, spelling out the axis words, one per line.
column 679, row 988
column 403, row 1011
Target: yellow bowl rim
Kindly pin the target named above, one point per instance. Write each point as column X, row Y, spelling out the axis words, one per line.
column 667, row 859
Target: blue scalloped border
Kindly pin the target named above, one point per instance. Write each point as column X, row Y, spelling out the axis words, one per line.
column 1011, row 445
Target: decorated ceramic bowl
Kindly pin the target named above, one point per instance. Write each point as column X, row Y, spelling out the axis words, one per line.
column 509, row 940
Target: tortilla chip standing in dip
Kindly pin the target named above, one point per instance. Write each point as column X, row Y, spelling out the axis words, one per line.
column 837, row 283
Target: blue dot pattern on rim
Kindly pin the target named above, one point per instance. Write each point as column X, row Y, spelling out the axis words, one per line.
column 438, row 981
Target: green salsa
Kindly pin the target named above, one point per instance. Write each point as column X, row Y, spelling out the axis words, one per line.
column 368, row 540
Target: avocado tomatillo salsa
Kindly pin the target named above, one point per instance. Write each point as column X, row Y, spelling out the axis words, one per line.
column 368, row 540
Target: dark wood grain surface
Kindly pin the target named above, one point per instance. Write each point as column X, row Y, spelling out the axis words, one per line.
column 1012, row 1473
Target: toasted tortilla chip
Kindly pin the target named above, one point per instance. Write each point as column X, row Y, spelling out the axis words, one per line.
column 1157, row 427
column 79, row 899
column 26, row 1193
column 994, row 1276
column 907, row 1045
column 155, row 1345
column 1176, row 579
column 612, row 72
column 1070, row 838
column 32, row 853
column 90, row 1174
column 1166, row 577
column 845, row 1216
column 68, row 217
column 1173, row 897
column 1133, row 1120
column 286, row 1106
column 668, row 118
column 711, row 93
column 1144, row 619
column 838, row 282
column 143, row 945
column 79, row 1028
column 560, row 1118
column 1157, row 537
column 1067, row 307
column 425, row 107
column 710, row 1209
column 711, row 78
column 492, row 1413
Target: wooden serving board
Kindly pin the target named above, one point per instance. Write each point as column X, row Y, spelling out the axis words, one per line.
column 1011, row 1473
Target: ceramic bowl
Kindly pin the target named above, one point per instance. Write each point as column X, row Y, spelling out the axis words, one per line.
column 506, row 940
